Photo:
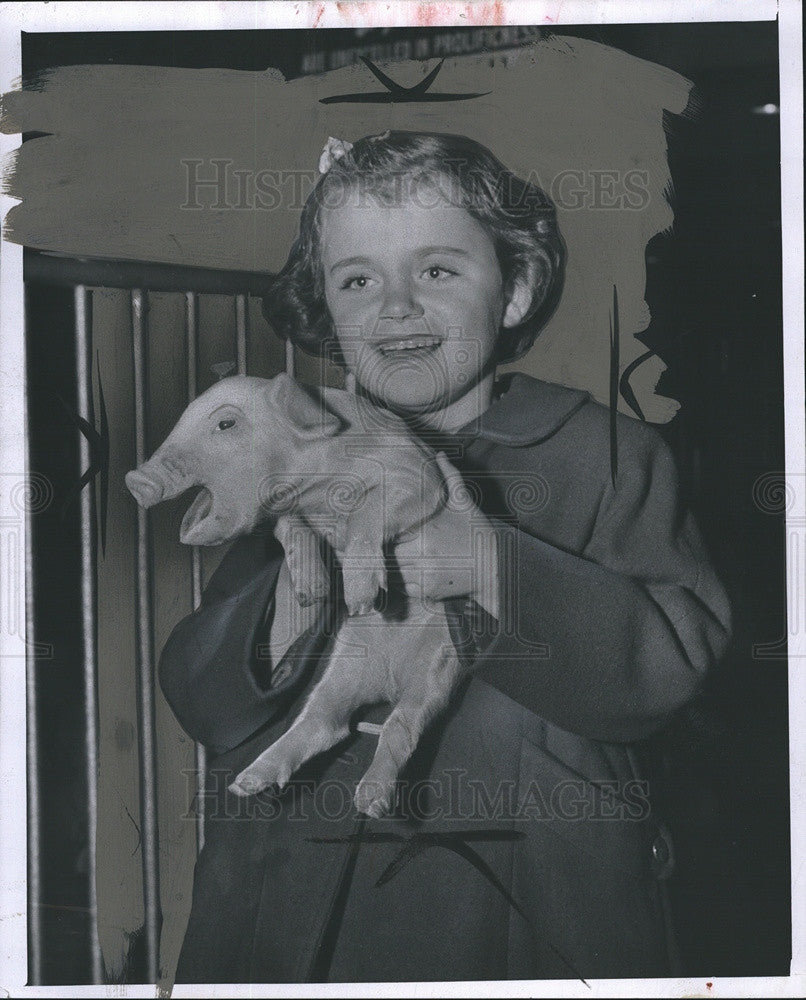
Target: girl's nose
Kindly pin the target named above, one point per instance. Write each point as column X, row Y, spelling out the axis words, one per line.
column 399, row 302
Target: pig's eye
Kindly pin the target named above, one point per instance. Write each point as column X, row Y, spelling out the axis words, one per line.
column 224, row 425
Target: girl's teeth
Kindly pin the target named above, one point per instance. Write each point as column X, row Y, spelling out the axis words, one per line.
column 408, row 345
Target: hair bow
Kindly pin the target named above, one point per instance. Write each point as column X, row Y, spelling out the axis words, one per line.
column 334, row 150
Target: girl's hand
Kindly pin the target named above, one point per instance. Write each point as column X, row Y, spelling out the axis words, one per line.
column 453, row 554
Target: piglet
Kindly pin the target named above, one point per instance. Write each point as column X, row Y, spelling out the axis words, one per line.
column 321, row 464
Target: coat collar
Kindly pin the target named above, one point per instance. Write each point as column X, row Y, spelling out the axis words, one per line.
column 525, row 411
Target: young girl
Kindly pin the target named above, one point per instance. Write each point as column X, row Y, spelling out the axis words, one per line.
column 523, row 845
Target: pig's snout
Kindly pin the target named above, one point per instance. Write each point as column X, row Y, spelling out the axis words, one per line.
column 145, row 490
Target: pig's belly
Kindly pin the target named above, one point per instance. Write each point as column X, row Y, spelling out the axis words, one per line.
column 411, row 658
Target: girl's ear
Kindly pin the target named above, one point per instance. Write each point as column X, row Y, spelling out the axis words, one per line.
column 520, row 298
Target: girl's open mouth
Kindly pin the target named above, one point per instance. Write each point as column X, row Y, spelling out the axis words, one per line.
column 409, row 345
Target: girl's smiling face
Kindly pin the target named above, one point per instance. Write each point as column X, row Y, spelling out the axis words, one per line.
column 416, row 296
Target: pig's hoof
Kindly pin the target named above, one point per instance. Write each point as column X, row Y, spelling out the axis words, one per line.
column 359, row 601
column 246, row 786
column 374, row 798
column 254, row 779
column 361, row 588
column 313, row 593
column 360, row 605
column 319, row 587
column 361, row 609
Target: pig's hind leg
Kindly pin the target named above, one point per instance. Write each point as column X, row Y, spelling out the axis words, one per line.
column 425, row 692
column 351, row 679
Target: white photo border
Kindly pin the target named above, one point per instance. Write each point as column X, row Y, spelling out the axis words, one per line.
column 71, row 16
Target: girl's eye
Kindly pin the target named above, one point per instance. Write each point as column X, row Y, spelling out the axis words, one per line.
column 359, row 281
column 224, row 425
column 436, row 272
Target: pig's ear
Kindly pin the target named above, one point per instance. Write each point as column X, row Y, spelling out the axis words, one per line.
column 304, row 414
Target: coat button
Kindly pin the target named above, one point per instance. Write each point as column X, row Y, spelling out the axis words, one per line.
column 660, row 851
column 662, row 855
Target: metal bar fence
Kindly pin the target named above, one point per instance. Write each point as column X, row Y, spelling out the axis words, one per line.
column 34, row 872
column 116, row 274
column 89, row 606
column 145, row 651
column 241, row 332
column 192, row 331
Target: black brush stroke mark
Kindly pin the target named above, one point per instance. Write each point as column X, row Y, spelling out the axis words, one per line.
column 94, row 440
column 99, row 460
column 626, row 389
column 320, row 967
column 457, row 842
column 398, row 89
column 395, row 93
column 614, row 387
column 134, row 824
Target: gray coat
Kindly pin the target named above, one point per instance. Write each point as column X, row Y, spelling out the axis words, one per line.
column 524, row 845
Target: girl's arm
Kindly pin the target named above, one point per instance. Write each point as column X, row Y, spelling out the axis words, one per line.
column 214, row 669
column 630, row 626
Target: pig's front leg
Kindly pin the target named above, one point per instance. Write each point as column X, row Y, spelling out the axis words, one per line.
column 363, row 568
column 303, row 558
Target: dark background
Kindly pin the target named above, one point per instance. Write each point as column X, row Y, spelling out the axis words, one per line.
column 714, row 288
